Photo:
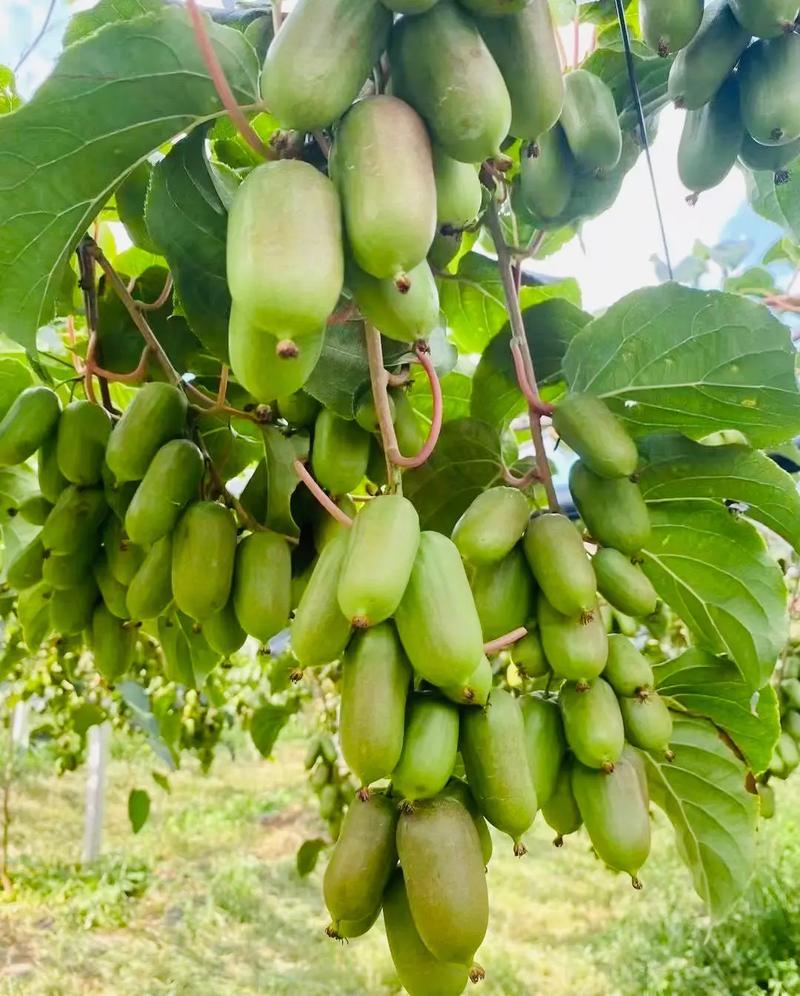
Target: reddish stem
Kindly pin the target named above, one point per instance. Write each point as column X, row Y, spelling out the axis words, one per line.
column 133, row 377
column 162, row 298
column 534, row 401
column 494, row 646
column 221, row 85
column 424, row 357
column 330, row 506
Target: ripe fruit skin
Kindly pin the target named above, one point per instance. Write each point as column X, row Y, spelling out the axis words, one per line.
column 367, row 418
column 419, row 972
column 280, row 210
column 494, row 8
column 459, row 790
column 711, row 139
column 770, row 81
column 766, row 797
column 222, row 631
column 561, row 810
column 627, row 671
column 545, row 742
column 765, row 18
column 382, row 165
column 588, row 427
column 112, row 643
column 767, row 157
column 203, row 552
column 156, row 414
column 130, row 197
column 791, row 723
column 648, row 722
column 380, row 555
column 319, row 631
column 524, row 48
column 114, row 594
column 436, row 618
column 503, row 593
column 258, row 365
column 348, row 930
column 552, row 540
column 83, row 431
column 615, row 813
column 700, row 69
column 51, row 481
column 669, row 25
column 262, row 584
column 590, row 123
column 410, row 434
column 339, row 453
column 170, row 482
column 76, row 519
column 362, row 860
column 71, row 609
column 35, row 509
column 409, row 6
column 492, row 525
column 124, row 558
column 458, row 191
column 440, row 855
column 623, row 583
column 475, row 691
column 150, row 590
column 27, row 424
column 430, row 745
column 320, row 59
column 547, row 174
column 592, row 724
column 444, row 249
column 495, row 760
column 375, row 679
column 67, row 570
column 576, row 650
column 528, row 655
column 443, row 68
column 402, row 316
column 25, row 569
column 298, row 408
column 614, row 512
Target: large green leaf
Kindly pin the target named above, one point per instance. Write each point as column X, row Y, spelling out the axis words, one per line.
column 113, row 98
column 703, row 793
column 788, row 194
column 651, row 73
column 713, row 568
column 673, row 359
column 187, row 221
column 679, row 470
column 465, row 462
column 86, row 22
column 267, row 723
column 711, row 687
column 281, row 451
column 473, row 302
column 456, row 391
column 549, row 329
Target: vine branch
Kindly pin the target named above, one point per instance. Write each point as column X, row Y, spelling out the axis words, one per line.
column 330, row 506
column 507, row 640
column 380, row 379
column 221, row 84
column 521, row 354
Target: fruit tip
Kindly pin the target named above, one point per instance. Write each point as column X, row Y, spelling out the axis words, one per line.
column 520, row 850
column 287, row 349
column 559, row 841
column 363, row 794
column 636, row 883
column 477, row 973
column 403, row 283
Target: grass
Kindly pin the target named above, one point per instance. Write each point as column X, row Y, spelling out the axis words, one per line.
column 206, row 899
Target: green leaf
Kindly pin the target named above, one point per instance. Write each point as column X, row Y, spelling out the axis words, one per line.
column 9, row 99
column 761, row 194
column 651, row 73
column 281, row 451
column 711, row 687
column 714, row 816
column 783, row 251
column 138, row 808
column 231, row 450
column 33, row 612
column 456, row 391
column 138, row 702
column 86, row 714
column 673, row 359
column 266, row 725
column 473, row 302
column 713, row 568
column 86, row 22
column 788, row 195
column 187, row 221
column 465, row 462
column 549, row 329
column 162, row 781
column 308, row 854
column 751, row 282
column 123, row 91
column 342, row 373
column 679, row 470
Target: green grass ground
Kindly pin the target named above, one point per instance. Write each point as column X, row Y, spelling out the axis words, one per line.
column 206, row 900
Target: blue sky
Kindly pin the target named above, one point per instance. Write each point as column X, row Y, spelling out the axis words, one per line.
column 614, row 255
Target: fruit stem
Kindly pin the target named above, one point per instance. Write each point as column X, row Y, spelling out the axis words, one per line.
column 523, row 361
column 330, row 506
column 494, row 646
column 379, row 378
column 221, row 84
column 162, row 298
column 92, row 369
